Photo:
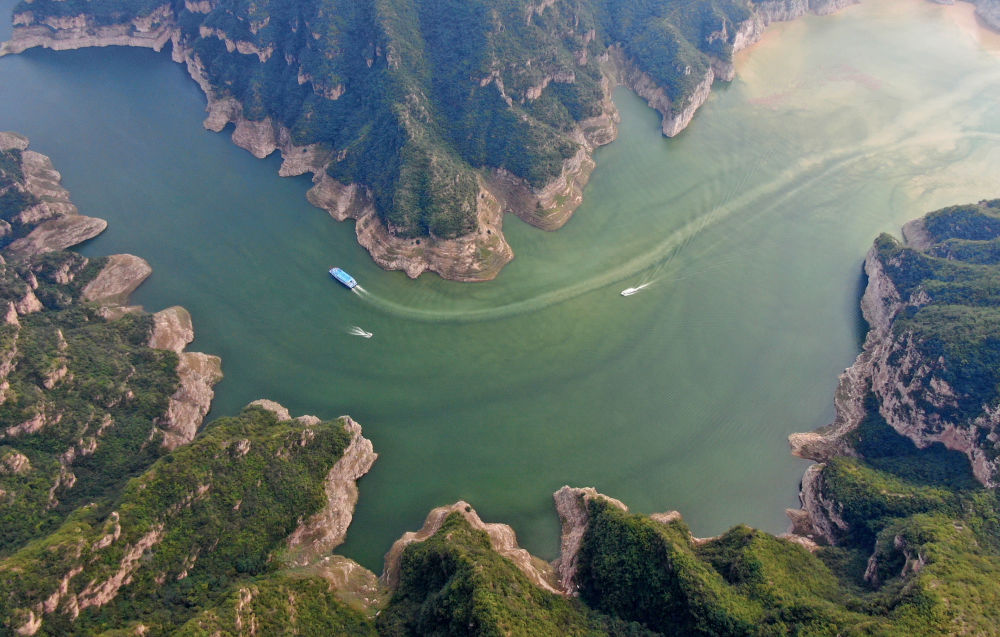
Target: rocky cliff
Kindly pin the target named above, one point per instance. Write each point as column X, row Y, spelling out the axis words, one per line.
column 922, row 299
column 227, row 504
column 502, row 540
column 83, row 397
column 427, row 163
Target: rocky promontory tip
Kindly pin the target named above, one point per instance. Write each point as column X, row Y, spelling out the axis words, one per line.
column 503, row 540
column 326, row 529
column 122, row 275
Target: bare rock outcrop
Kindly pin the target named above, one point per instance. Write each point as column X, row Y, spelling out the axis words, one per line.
column 58, row 234
column 117, row 280
column 76, row 32
column 172, row 329
column 54, row 221
column 277, row 409
column 503, row 540
column 327, row 528
column 820, row 519
column 911, row 395
column 571, row 505
column 676, row 114
column 13, row 462
column 198, row 374
column 478, row 255
column 354, row 584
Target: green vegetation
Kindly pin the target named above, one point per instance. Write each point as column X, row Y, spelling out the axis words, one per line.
column 417, row 97
column 742, row 583
column 454, row 583
column 100, row 528
column 79, row 394
column 104, row 12
column 957, row 320
column 281, row 605
column 211, row 517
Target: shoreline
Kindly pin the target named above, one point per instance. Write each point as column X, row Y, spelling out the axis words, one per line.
column 61, row 227
column 478, row 256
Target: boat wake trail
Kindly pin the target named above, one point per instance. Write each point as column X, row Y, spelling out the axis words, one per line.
column 752, row 197
column 354, row 330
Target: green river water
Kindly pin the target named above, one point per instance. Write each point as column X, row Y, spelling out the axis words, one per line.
column 750, row 228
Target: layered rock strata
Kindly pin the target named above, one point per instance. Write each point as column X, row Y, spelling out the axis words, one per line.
column 478, row 255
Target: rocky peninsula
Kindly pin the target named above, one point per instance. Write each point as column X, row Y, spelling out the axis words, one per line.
column 231, row 527
column 450, row 219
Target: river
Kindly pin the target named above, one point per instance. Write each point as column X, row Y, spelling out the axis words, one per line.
column 749, row 228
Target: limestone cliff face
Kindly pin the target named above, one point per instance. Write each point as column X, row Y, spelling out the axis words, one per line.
column 677, row 115
column 908, row 385
column 911, row 395
column 150, row 543
column 327, row 528
column 152, row 32
column 477, row 255
column 571, row 505
column 502, row 539
column 55, row 222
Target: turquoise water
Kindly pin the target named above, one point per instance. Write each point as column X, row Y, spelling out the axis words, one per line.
column 750, row 229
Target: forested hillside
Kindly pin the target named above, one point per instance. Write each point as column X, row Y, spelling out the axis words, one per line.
column 447, row 113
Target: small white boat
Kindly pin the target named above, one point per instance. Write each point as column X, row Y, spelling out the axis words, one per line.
column 631, row 291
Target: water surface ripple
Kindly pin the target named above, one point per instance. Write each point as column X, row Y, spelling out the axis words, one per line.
column 745, row 234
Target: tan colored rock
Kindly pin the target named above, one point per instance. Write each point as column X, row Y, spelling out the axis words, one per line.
column 172, row 329
column 905, row 382
column 31, row 624
column 477, row 256
column 29, row 303
column 823, row 514
column 275, row 408
column 77, row 32
column 116, row 282
column 58, row 234
column 11, row 140
column 503, row 540
column 353, row 583
column 98, row 594
column 187, row 408
column 327, row 528
column 14, row 462
column 666, row 518
column 10, row 315
column 29, row 426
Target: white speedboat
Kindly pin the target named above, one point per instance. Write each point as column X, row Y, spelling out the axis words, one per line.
column 631, row 291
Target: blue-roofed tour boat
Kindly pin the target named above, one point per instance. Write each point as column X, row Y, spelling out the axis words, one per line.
column 346, row 279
